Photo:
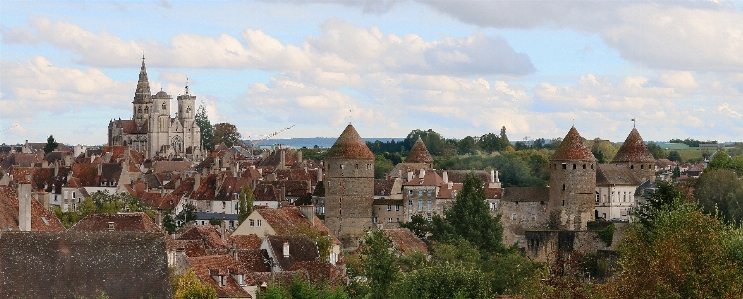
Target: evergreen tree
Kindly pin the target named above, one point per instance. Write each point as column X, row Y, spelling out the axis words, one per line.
column 245, row 203
column 51, row 144
column 378, row 264
column 207, row 131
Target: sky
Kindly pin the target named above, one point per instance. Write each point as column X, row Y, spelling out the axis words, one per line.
column 461, row 68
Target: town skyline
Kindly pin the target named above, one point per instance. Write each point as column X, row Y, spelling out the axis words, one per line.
column 387, row 67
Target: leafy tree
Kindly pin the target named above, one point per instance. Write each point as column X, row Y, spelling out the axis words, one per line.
column 657, row 151
column 378, row 264
column 207, row 131
column 676, row 172
column 191, row 287
column 665, row 194
column 169, row 222
column 511, row 272
column 51, row 145
column 459, row 252
column 419, row 226
column 674, row 156
column 188, row 213
column 382, row 167
column 245, row 203
column 504, row 143
column 720, row 191
column 443, row 281
column 721, row 160
column 301, row 290
column 435, row 143
column 470, row 217
column 603, row 150
column 467, row 145
column 226, row 133
column 685, row 254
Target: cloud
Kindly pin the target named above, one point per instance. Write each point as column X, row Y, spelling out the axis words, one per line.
column 341, row 48
column 678, row 79
column 18, row 36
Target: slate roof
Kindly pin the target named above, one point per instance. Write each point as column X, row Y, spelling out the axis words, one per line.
column 206, row 266
column 66, row 264
column 405, row 242
column 139, row 222
column 41, row 218
column 349, row 146
column 301, row 249
column 572, row 148
column 419, row 153
column 532, row 194
column 633, row 150
column 170, row 166
column 610, row 174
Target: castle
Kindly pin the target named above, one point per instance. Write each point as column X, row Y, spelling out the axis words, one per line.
column 152, row 131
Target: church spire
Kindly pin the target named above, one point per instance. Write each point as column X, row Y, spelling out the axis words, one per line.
column 143, row 95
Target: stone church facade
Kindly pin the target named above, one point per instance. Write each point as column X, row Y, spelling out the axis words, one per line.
column 152, row 130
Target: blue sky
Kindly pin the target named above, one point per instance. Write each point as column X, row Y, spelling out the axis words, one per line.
column 458, row 67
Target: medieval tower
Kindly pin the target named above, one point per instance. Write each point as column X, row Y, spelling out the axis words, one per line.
column 572, row 184
column 636, row 156
column 349, row 188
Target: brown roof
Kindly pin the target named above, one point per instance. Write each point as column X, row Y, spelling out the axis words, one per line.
column 610, row 174
column 405, row 242
column 633, row 150
column 572, row 147
column 286, row 220
column 267, row 192
column 282, row 278
column 458, row 176
column 225, row 265
column 321, row 273
column 254, row 260
column 383, row 187
column 419, row 153
column 349, row 146
column 121, row 222
column 445, row 192
column 130, row 127
column 274, row 158
column 251, row 241
column 430, row 178
column 41, row 218
column 301, row 249
column 73, row 263
column 526, row 194
column 206, row 233
column 493, row 192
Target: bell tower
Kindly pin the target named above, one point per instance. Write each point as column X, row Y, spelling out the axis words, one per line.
column 142, row 98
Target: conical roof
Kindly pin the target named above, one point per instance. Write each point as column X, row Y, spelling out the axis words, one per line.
column 350, row 146
column 573, row 148
column 633, row 150
column 143, row 95
column 419, row 153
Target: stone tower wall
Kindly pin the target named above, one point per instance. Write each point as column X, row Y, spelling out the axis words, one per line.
column 572, row 194
column 349, row 194
column 642, row 170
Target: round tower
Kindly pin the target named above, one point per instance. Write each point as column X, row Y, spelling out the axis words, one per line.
column 636, row 156
column 349, row 188
column 572, row 184
column 419, row 154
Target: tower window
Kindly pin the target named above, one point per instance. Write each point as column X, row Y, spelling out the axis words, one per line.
column 564, row 166
column 164, row 106
column 357, row 166
column 584, row 166
column 642, row 166
column 563, row 187
column 575, row 166
column 632, row 167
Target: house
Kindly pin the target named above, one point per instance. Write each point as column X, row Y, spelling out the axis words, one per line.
column 30, row 214
column 285, row 251
column 615, row 189
column 224, row 274
column 55, row 265
column 404, row 242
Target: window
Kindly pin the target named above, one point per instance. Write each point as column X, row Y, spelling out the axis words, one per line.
column 563, row 187
column 564, row 166
column 513, row 216
column 597, row 197
column 410, row 205
column 420, row 192
column 164, row 106
column 428, row 217
column 357, row 166
column 259, row 222
column 410, row 192
column 397, row 220
column 584, row 166
column 252, row 222
column 429, row 205
column 632, row 167
column 429, row 191
column 73, row 194
column 574, row 166
column 389, row 207
column 342, row 166
column 389, row 220
column 397, row 207
column 368, row 166
column 420, row 205
column 374, row 220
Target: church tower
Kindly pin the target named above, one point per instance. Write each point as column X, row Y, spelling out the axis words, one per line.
column 572, row 184
column 187, row 118
column 142, row 99
column 159, row 122
column 349, row 188
column 636, row 156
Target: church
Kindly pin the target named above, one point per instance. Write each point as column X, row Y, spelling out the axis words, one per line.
column 152, row 130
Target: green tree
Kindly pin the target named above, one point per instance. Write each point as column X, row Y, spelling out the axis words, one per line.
column 721, row 160
column 191, row 287
column 188, row 213
column 378, row 264
column 676, row 172
column 504, row 142
column 674, row 156
column 685, row 254
column 443, row 281
column 458, row 252
column 245, row 203
column 603, row 150
column 169, row 222
column 720, row 191
column 657, row 151
column 226, row 133
column 665, row 194
column 470, row 217
column 207, row 131
column 51, row 145
column 467, row 145
column 382, row 167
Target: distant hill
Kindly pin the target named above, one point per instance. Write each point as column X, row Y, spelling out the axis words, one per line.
column 322, row 142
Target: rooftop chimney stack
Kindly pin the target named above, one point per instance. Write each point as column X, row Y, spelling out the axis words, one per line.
column 445, row 177
column 24, row 206
column 286, row 248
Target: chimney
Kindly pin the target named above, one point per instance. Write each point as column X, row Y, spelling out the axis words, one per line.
column 309, row 212
column 445, row 177
column 319, row 174
column 56, row 168
column 24, row 206
column 422, row 173
column 100, row 168
column 233, row 251
column 410, row 176
column 497, row 180
column 197, row 181
column 282, row 159
column 286, row 249
column 299, row 155
column 451, row 185
column 158, row 217
column 492, row 175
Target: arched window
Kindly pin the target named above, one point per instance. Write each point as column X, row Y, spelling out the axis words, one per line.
column 139, row 110
column 165, row 106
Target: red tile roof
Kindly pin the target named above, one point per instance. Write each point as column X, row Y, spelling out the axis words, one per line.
column 9, row 213
column 254, row 260
column 419, row 153
column 121, row 222
column 405, row 242
column 208, row 234
column 286, row 220
column 301, row 249
column 321, row 273
column 349, row 146
column 572, row 148
column 633, row 150
column 251, row 241
column 224, row 265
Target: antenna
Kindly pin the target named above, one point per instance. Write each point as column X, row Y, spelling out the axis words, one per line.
column 634, row 123
column 349, row 116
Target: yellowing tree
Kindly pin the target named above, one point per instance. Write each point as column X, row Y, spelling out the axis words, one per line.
column 190, row 287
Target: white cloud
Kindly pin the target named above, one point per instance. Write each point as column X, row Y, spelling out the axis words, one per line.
column 676, row 79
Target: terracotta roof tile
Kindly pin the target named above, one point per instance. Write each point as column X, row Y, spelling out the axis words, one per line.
column 349, row 146
column 207, row 234
column 121, row 222
column 41, row 218
column 405, row 242
column 321, row 273
column 301, row 249
column 572, row 147
column 224, row 265
column 419, row 153
column 254, row 260
column 633, row 150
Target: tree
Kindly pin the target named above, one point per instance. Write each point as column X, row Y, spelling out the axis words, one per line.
column 207, row 131
column 51, row 144
column 676, row 172
column 720, row 191
column 188, row 213
column 378, row 264
column 657, row 151
column 169, row 222
column 665, row 194
column 470, row 217
column 721, row 160
column 226, row 133
column 674, row 156
column 443, row 281
column 685, row 254
column 245, row 203
column 504, row 143
column 191, row 287
column 603, row 150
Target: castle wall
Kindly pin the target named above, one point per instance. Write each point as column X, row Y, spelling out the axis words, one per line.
column 518, row 217
column 349, row 194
